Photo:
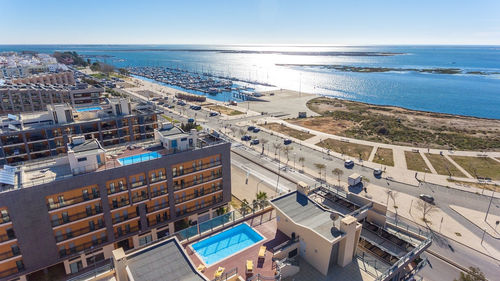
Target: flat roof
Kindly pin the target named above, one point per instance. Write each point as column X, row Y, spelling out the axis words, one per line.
column 306, row 212
column 171, row 131
column 87, row 145
column 165, row 261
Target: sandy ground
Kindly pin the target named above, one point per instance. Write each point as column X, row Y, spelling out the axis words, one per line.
column 284, row 103
column 477, row 218
column 242, row 189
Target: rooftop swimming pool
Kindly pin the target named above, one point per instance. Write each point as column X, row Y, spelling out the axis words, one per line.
column 89, row 109
column 139, row 158
column 222, row 245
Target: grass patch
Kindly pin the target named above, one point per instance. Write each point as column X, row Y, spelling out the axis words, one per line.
column 99, row 75
column 280, row 128
column 347, row 148
column 384, row 156
column 225, row 110
column 486, row 186
column 415, row 162
column 170, row 119
column 484, row 167
column 443, row 166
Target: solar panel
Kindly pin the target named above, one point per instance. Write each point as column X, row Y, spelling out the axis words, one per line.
column 7, row 175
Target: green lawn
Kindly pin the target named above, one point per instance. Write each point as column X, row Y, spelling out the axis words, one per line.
column 384, row 156
column 347, row 148
column 415, row 162
column 479, row 166
column 443, row 166
column 280, row 128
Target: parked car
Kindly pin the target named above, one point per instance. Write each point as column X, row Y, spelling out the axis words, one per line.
column 377, row 173
column 254, row 142
column 155, row 99
column 256, row 130
column 246, row 138
column 427, row 198
column 212, row 114
column 171, row 106
column 161, row 103
column 250, row 128
column 287, row 141
column 190, row 120
column 196, row 107
column 348, row 163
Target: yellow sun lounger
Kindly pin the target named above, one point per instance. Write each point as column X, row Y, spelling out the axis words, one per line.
column 262, row 252
column 249, row 266
column 219, row 272
column 201, row 267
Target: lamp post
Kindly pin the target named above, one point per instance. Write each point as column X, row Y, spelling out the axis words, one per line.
column 489, row 205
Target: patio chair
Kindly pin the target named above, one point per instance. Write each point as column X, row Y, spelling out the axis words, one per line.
column 249, row 267
column 262, row 252
column 201, row 268
column 219, row 272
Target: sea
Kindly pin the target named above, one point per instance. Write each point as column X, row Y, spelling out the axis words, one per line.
column 303, row 68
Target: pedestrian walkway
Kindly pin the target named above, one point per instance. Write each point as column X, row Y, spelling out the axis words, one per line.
column 427, row 162
column 372, row 154
column 490, row 224
column 458, row 167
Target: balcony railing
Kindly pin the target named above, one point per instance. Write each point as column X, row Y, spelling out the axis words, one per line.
column 79, row 232
column 186, row 171
column 201, row 206
column 9, row 254
column 5, row 219
column 157, row 207
column 124, row 217
column 193, row 182
column 159, row 192
column 82, row 247
column 121, row 233
column 116, row 189
column 10, row 271
column 163, row 218
column 72, row 201
column 157, row 179
column 136, row 199
column 202, row 193
column 75, row 217
column 5, row 237
column 138, row 183
column 116, row 205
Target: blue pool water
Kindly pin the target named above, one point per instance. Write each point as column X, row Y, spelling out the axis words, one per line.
column 139, row 158
column 226, row 243
column 89, row 109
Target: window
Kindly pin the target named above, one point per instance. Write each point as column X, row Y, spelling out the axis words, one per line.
column 88, row 210
column 15, row 250
column 181, row 170
column 85, row 194
column 174, row 171
column 65, row 217
column 146, row 239
column 82, row 159
column 76, row 266
column 112, row 187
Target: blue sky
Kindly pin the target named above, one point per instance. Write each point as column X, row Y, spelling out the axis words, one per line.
column 250, row 22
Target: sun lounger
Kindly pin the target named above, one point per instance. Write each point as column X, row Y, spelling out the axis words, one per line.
column 201, row 268
column 262, row 252
column 219, row 272
column 249, row 267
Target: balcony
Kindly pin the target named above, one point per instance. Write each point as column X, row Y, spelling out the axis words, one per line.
column 156, row 207
column 202, row 193
column 124, row 217
column 4, row 219
column 116, row 204
column 163, row 218
column 197, row 182
column 6, row 237
column 11, row 271
column 9, row 254
column 72, row 201
column 137, row 184
column 157, row 179
column 159, row 193
column 201, row 206
column 79, row 232
column 113, row 189
column 187, row 171
column 82, row 247
column 119, row 232
column 76, row 217
column 136, row 199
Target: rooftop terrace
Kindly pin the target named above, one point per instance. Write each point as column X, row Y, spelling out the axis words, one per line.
column 33, row 173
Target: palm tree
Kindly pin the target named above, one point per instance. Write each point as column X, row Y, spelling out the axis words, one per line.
column 320, row 168
column 242, row 132
column 302, row 160
column 233, row 130
column 264, row 142
column 338, row 172
column 262, row 199
column 245, row 207
column 287, row 150
column 276, row 146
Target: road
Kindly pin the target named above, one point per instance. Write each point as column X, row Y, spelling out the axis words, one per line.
column 271, row 170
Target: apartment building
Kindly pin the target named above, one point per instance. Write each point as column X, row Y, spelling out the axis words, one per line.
column 32, row 97
column 29, row 136
column 63, row 215
column 64, row 77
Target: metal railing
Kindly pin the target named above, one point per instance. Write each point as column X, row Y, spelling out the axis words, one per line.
column 189, row 184
column 204, row 192
column 227, row 275
column 71, row 201
column 78, row 232
column 76, row 217
column 82, row 247
column 187, row 171
column 124, row 217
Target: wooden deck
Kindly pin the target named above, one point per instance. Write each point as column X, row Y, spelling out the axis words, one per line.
column 272, row 238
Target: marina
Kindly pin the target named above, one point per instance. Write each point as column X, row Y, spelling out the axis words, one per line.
column 200, row 83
